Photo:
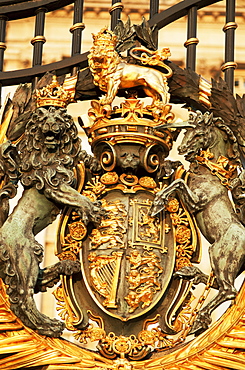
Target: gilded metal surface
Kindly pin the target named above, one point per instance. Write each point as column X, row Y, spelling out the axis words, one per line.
column 112, row 228
column 116, row 6
column 222, row 168
column 228, row 65
column 3, row 46
column 134, row 125
column 129, row 257
column 143, row 279
column 220, row 347
column 38, row 39
column 77, row 26
column 129, row 239
column 185, row 243
column 55, row 94
column 110, row 73
column 147, row 230
column 154, row 58
column 230, row 25
column 130, row 295
column 104, row 272
column 204, row 92
column 191, row 41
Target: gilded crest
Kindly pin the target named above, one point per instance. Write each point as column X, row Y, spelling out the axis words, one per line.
column 130, row 282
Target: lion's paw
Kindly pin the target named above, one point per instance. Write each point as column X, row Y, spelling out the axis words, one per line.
column 31, row 317
column 93, row 212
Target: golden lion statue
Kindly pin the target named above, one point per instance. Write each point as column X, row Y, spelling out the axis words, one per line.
column 111, row 73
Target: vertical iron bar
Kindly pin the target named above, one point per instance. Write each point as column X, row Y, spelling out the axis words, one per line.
column 154, row 9
column 3, row 46
column 192, row 40
column 229, row 29
column 115, row 12
column 39, row 38
column 38, row 41
column 78, row 27
column 3, row 20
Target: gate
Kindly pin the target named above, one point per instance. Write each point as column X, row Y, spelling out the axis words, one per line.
column 12, row 10
column 133, row 294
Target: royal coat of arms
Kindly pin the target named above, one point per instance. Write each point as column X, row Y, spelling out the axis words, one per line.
column 128, row 239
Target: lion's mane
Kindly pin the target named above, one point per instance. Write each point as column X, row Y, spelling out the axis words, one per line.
column 41, row 167
column 107, row 67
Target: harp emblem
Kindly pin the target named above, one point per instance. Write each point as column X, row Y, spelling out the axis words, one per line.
column 104, row 273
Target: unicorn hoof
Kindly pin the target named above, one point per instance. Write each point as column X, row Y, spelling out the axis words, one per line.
column 200, row 325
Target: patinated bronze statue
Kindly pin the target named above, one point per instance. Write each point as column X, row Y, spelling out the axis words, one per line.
column 211, row 148
column 128, row 240
column 43, row 161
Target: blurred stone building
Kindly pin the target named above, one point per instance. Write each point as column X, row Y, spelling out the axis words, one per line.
column 210, row 57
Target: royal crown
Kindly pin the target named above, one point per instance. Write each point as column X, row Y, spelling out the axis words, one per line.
column 105, row 37
column 131, row 122
column 55, row 94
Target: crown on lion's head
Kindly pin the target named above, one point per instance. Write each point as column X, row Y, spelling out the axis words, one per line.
column 105, row 38
column 55, row 94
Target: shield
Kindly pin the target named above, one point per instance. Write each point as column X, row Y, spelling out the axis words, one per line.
column 128, row 260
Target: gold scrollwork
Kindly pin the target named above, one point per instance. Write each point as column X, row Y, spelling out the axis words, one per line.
column 147, row 182
column 184, row 316
column 220, row 347
column 122, row 345
column 183, row 233
column 223, row 168
column 95, row 186
column 154, row 58
column 109, row 178
column 72, row 242
column 110, row 344
column 173, row 205
column 67, row 255
column 77, row 230
column 71, row 245
column 129, row 180
column 94, row 332
column 64, row 310
column 111, row 181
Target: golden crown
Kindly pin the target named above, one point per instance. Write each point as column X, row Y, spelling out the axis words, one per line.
column 55, row 94
column 105, row 37
column 131, row 122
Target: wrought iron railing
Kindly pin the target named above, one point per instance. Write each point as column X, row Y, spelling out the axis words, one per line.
column 11, row 10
